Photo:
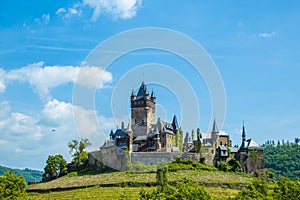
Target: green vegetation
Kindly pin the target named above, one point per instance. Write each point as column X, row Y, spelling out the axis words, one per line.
column 28, row 174
column 186, row 177
column 231, row 165
column 12, row 186
column 284, row 189
column 77, row 149
column 179, row 164
column 56, row 167
column 198, row 142
column 283, row 159
column 184, row 190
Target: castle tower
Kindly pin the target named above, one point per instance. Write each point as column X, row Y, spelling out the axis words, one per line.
column 142, row 111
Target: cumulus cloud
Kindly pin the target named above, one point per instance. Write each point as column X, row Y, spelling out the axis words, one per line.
column 44, row 78
column 118, row 9
column 267, row 35
column 20, row 126
column 24, row 136
column 122, row 9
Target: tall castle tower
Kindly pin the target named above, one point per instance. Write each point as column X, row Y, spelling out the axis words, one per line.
column 142, row 111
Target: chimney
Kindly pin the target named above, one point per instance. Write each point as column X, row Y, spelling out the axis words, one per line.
column 122, row 126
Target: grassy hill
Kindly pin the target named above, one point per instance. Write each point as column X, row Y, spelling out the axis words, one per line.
column 28, row 174
column 120, row 185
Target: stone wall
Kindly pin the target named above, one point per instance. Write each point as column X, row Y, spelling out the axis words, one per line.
column 111, row 156
column 158, row 157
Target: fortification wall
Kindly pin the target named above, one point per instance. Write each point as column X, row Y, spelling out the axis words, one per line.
column 158, row 157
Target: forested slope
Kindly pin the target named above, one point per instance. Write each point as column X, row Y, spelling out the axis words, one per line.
column 283, row 159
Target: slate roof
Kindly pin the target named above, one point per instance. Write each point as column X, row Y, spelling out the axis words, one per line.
column 143, row 90
column 175, row 123
column 222, row 133
column 120, row 133
column 215, row 128
column 251, row 144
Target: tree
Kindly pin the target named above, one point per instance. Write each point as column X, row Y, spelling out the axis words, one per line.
column 198, row 142
column 77, row 149
column 162, row 178
column 56, row 166
column 258, row 189
column 287, row 189
column 12, row 186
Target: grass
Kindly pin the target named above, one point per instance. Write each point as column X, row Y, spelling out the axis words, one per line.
column 117, row 178
column 124, row 185
column 121, row 193
column 91, row 193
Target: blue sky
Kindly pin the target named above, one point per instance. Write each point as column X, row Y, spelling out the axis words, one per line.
column 254, row 44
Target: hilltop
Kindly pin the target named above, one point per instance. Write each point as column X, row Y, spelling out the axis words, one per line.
column 115, row 185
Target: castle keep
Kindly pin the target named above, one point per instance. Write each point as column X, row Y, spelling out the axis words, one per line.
column 149, row 141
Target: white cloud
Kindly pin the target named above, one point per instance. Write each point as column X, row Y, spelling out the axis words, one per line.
column 45, row 19
column 19, row 127
column 118, row 9
column 60, row 11
column 56, row 112
column 123, row 9
column 68, row 13
column 267, row 35
column 48, row 132
column 2, row 77
column 44, row 78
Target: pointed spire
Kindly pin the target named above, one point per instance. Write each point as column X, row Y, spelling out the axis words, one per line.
column 175, row 123
column 132, row 93
column 153, row 95
column 215, row 128
column 243, row 137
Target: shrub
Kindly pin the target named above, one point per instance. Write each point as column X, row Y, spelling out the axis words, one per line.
column 12, row 186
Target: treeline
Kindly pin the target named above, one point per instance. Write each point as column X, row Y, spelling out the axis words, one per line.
column 28, row 174
column 283, row 159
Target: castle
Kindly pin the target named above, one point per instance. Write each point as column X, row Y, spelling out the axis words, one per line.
column 150, row 142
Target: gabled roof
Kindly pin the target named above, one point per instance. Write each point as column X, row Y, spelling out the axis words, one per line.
column 143, row 90
column 222, row 133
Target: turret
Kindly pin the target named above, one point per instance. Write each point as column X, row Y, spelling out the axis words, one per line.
column 153, row 98
column 133, row 96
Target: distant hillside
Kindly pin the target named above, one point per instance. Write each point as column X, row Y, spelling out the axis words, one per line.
column 283, row 159
column 29, row 175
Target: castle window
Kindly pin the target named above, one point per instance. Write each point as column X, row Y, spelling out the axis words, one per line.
column 135, row 121
column 220, row 143
column 143, row 122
